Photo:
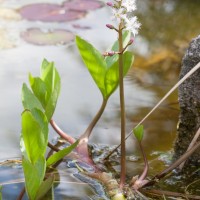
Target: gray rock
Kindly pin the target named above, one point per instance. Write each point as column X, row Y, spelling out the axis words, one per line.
column 189, row 100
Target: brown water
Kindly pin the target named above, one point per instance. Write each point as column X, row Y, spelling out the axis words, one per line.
column 167, row 27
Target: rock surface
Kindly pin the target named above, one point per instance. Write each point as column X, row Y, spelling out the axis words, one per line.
column 189, row 101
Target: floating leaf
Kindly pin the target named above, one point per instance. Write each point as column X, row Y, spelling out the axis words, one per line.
column 94, row 61
column 47, row 37
column 34, row 175
column 34, row 133
column 83, row 5
column 49, row 13
column 139, row 132
column 61, row 154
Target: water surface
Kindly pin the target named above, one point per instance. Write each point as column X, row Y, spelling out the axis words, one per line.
column 167, row 28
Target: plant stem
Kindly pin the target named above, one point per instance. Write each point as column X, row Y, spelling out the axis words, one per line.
column 54, row 148
column 122, row 109
column 62, row 134
column 146, row 166
column 173, row 166
column 21, row 194
column 89, row 129
column 82, row 148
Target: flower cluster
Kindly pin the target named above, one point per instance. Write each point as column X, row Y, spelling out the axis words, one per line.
column 122, row 11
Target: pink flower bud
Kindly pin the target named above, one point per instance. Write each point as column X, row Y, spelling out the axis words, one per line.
column 131, row 41
column 111, row 53
column 109, row 4
column 109, row 26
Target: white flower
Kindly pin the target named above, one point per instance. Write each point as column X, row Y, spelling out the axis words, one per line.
column 122, row 12
column 118, row 14
column 132, row 25
column 129, row 5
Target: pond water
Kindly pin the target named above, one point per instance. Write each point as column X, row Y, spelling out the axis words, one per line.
column 167, row 28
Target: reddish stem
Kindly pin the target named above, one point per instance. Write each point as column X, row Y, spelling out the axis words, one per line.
column 146, row 165
column 62, row 134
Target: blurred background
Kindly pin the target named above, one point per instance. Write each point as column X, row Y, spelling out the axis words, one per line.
column 31, row 30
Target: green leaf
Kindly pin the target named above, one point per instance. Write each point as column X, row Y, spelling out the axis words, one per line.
column 34, row 175
column 61, row 154
column 52, row 101
column 112, row 79
column 126, row 38
column 110, row 60
column 128, row 59
column 46, row 88
column 38, row 87
column 51, row 78
column 139, row 132
column 105, row 74
column 29, row 100
column 45, row 187
column 45, row 63
column 112, row 75
column 94, row 61
column 34, row 133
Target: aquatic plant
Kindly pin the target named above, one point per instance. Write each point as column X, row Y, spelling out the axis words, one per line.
column 123, row 13
column 39, row 105
column 107, row 70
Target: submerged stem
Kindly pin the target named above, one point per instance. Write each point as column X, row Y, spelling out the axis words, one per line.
column 122, row 109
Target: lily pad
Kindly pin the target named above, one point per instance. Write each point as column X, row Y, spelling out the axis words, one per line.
column 83, row 5
column 49, row 13
column 40, row 37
